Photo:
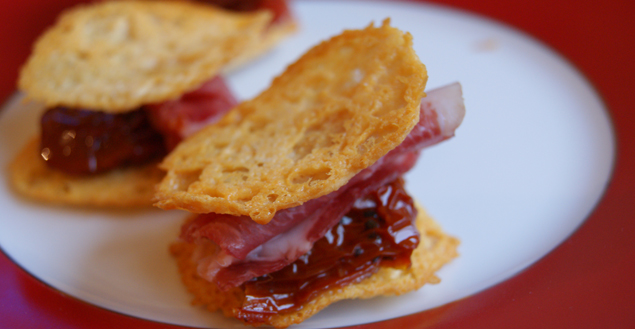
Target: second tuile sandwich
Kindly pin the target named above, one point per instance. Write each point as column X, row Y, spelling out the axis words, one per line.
column 122, row 82
column 297, row 195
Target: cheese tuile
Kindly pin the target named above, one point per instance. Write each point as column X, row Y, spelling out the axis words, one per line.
column 337, row 110
column 115, row 56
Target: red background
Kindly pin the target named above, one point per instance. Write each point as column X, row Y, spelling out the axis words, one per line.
column 587, row 282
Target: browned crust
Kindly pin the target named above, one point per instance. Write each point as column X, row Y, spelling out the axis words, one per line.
column 128, row 187
column 338, row 109
column 435, row 249
column 115, row 56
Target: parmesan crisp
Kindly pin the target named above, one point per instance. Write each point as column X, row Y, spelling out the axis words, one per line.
column 337, row 110
column 115, row 56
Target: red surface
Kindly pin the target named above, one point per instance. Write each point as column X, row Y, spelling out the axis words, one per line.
column 587, row 282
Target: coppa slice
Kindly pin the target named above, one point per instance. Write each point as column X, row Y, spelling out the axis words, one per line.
column 320, row 123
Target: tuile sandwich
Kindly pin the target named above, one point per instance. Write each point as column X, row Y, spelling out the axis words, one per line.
column 297, row 195
column 122, row 83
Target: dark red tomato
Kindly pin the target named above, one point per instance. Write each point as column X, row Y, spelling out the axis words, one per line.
column 83, row 142
column 379, row 231
column 278, row 7
column 235, row 5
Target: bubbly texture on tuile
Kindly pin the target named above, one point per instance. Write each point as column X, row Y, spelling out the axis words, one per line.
column 320, row 123
column 118, row 55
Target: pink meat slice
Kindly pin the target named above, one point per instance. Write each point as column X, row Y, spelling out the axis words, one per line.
column 182, row 117
column 247, row 249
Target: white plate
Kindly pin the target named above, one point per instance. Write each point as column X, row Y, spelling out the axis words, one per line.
column 527, row 166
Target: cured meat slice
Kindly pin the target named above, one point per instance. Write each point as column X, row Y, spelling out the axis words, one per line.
column 442, row 111
column 247, row 249
column 182, row 117
column 239, row 236
column 286, row 247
